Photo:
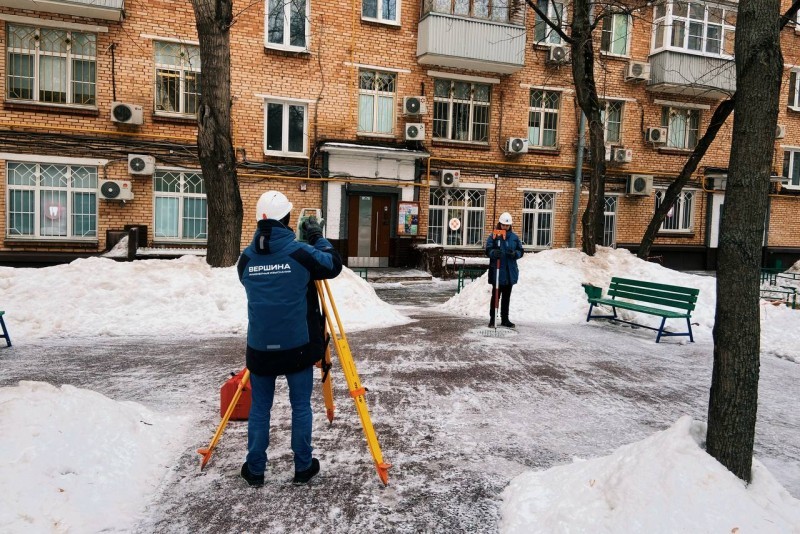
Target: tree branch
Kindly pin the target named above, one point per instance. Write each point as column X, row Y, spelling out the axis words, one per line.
column 549, row 22
column 787, row 17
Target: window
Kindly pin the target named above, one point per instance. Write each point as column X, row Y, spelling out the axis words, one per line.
column 287, row 24
column 177, row 78
column 376, row 101
column 286, row 128
column 496, row 10
column 695, row 26
column 543, row 33
column 538, row 211
column 51, row 65
column 615, row 35
column 682, row 126
column 679, row 217
column 791, row 168
column 543, row 118
column 610, row 222
column 181, row 210
column 611, row 117
column 794, row 89
column 468, row 206
column 50, row 201
column 461, row 110
column 381, row 10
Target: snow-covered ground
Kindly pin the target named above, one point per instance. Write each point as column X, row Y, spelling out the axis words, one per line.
column 74, row 451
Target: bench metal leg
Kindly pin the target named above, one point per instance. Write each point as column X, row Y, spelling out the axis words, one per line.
column 689, row 324
column 590, row 316
column 661, row 329
column 5, row 331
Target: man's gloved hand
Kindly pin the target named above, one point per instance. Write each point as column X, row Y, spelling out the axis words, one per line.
column 312, row 230
column 511, row 253
column 495, row 254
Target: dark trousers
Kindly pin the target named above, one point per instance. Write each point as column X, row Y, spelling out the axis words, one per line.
column 505, row 299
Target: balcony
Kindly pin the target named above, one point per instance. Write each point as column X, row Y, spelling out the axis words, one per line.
column 691, row 75
column 473, row 44
column 113, row 10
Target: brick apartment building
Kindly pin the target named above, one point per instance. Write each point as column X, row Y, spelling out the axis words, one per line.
column 411, row 125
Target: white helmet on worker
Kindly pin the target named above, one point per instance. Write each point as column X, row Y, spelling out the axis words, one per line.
column 273, row 205
column 505, row 218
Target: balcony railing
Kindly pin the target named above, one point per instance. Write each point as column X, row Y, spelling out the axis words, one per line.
column 473, row 44
column 93, row 9
column 691, row 75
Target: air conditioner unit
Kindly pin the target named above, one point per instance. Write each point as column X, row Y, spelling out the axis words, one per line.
column 558, row 55
column 780, row 131
column 139, row 164
column 450, row 178
column 115, row 190
column 415, row 131
column 126, row 113
column 657, row 136
column 639, row 184
column 516, row 145
column 621, row 155
column 637, row 71
column 415, row 105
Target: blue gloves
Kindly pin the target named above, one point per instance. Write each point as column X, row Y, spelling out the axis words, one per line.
column 511, row 253
column 312, row 230
column 495, row 254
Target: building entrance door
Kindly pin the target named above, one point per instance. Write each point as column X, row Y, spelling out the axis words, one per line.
column 369, row 227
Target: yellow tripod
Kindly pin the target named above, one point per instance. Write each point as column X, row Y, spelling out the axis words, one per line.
column 357, row 391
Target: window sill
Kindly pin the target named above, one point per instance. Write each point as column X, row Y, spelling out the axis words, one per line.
column 286, row 51
column 554, row 151
column 176, row 119
column 293, row 155
column 793, row 108
column 611, row 55
column 11, row 241
column 381, row 22
column 461, row 144
column 675, row 151
column 546, row 46
column 164, row 242
column 674, row 233
column 50, row 108
column 378, row 135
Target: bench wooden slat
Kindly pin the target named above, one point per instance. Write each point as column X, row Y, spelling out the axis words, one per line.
column 644, row 309
column 665, row 300
column 655, row 285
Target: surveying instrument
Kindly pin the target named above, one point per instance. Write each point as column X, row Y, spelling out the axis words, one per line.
column 357, row 391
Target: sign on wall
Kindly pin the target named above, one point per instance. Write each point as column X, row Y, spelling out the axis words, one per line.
column 408, row 218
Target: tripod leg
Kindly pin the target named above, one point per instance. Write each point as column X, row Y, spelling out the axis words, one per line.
column 207, row 451
column 327, row 385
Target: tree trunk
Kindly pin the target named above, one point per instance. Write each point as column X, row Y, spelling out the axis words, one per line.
column 721, row 114
column 586, row 96
column 214, row 137
column 737, row 328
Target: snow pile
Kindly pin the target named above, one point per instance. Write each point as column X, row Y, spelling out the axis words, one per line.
column 663, row 484
column 73, row 460
column 185, row 297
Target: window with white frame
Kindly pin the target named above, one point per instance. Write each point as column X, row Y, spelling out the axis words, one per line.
column 376, row 101
column 615, row 36
column 611, row 117
column 538, row 213
column 610, row 222
column 791, row 168
column 794, row 89
column 51, row 65
column 543, row 118
column 287, row 24
column 468, row 206
column 682, row 126
column 387, row 11
column 543, row 32
column 696, row 26
column 461, row 110
column 51, row 201
column 495, row 10
column 181, row 209
column 177, row 78
column 286, row 128
column 680, row 216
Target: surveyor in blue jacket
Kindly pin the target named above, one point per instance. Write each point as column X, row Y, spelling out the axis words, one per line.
column 507, row 250
column 285, row 333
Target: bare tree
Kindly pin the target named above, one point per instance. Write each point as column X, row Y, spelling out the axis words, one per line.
column 737, row 327
column 214, row 132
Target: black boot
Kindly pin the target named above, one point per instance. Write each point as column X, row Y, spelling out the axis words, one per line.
column 304, row 477
column 255, row 481
column 508, row 324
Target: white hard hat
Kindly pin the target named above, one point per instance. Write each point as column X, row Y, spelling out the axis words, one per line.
column 505, row 218
column 272, row 205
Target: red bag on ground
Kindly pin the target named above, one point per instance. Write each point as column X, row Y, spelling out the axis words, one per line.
column 242, row 409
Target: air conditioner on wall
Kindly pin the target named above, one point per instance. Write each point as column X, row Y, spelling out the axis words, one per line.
column 450, row 178
column 415, row 105
column 558, row 55
column 780, row 131
column 639, row 184
column 415, row 131
column 115, row 190
column 139, row 164
column 619, row 154
column 637, row 71
column 657, row 136
column 126, row 113
column 516, row 145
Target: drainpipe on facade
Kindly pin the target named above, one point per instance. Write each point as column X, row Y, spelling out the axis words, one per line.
column 576, row 198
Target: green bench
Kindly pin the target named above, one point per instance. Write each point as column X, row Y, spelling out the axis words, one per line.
column 5, row 331
column 471, row 273
column 641, row 296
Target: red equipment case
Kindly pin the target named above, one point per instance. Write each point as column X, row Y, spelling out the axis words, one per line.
column 242, row 409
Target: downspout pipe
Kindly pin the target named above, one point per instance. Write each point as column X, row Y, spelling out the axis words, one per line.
column 576, row 197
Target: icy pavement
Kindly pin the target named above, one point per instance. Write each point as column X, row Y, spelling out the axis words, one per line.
column 458, row 414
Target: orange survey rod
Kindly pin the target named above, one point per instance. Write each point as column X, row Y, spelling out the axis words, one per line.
column 207, row 451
